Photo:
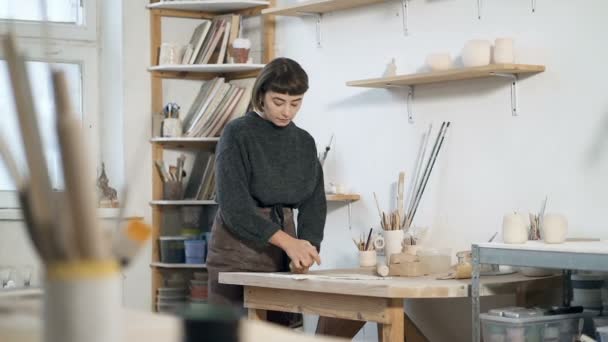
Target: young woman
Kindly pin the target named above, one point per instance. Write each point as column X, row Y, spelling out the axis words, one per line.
column 265, row 167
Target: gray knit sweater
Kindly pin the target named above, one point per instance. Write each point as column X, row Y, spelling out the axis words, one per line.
column 259, row 164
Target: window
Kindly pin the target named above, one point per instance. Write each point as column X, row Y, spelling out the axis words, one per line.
column 73, row 50
column 57, row 11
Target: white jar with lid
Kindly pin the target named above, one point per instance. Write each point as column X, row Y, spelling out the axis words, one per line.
column 514, row 228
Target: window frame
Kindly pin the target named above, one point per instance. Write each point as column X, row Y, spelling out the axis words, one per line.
column 74, row 52
column 87, row 31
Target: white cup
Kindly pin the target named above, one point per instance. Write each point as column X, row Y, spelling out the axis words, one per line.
column 367, row 258
column 170, row 54
column 476, row 53
column 503, row 51
column 439, row 61
column 391, row 241
column 172, row 128
column 554, row 228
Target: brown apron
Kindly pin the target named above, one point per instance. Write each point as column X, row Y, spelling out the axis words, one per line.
column 228, row 253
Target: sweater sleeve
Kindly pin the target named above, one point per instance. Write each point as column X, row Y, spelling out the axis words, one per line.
column 238, row 208
column 312, row 213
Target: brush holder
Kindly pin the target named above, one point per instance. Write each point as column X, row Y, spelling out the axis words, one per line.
column 391, row 241
column 82, row 302
column 367, row 258
column 173, row 190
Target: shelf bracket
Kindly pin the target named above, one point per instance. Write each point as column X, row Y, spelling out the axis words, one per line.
column 514, row 78
column 409, row 100
column 350, row 212
column 479, row 8
column 319, row 19
column 533, row 6
column 405, row 19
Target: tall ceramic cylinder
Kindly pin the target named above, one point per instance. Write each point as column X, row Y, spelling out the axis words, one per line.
column 82, row 302
column 514, row 228
column 391, row 241
column 554, row 228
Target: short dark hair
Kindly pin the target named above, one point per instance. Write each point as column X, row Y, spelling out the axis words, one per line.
column 281, row 75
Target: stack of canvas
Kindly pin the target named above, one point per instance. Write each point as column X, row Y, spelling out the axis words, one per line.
column 216, row 104
column 211, row 41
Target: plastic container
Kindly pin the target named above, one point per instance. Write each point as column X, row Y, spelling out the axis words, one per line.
column 534, row 328
column 172, row 249
column 602, row 334
column 173, row 191
column 199, row 289
column 435, row 260
column 195, row 251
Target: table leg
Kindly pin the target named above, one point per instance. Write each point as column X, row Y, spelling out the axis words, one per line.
column 394, row 330
column 257, row 314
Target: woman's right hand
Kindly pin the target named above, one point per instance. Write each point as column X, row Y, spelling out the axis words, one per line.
column 301, row 252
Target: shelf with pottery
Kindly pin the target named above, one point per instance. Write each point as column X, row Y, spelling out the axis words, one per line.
column 510, row 71
column 198, row 143
column 206, row 71
column 316, row 9
column 173, row 266
column 210, row 6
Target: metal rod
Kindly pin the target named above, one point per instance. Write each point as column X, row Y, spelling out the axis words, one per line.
column 479, row 8
column 475, row 294
column 410, row 99
column 514, row 78
column 405, row 19
column 533, row 6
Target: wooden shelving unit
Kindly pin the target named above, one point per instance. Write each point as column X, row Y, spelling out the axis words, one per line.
column 512, row 72
column 177, row 266
column 177, row 143
column 191, row 10
column 211, row 6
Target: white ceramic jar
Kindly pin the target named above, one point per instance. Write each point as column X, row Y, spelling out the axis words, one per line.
column 554, row 228
column 503, row 51
column 514, row 228
column 476, row 53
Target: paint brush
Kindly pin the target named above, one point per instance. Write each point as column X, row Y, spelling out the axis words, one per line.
column 40, row 205
column 369, row 237
column 378, row 207
column 327, row 148
column 79, row 190
column 421, row 153
column 129, row 241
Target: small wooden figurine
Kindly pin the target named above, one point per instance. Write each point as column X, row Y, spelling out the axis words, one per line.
column 106, row 195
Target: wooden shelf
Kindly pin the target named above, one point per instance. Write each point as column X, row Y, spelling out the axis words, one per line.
column 164, row 265
column 448, row 75
column 211, row 6
column 342, row 197
column 207, row 68
column 182, row 202
column 198, row 143
column 318, row 6
column 21, row 292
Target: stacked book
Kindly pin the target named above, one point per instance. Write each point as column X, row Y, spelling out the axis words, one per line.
column 211, row 40
column 201, row 185
column 216, row 104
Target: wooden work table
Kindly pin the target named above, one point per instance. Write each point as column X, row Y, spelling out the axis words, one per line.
column 374, row 300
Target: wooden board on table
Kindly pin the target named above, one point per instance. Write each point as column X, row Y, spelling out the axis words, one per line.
column 456, row 74
column 318, row 6
column 393, row 287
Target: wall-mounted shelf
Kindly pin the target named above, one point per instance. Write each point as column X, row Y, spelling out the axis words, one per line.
column 480, row 7
column 176, row 143
column 316, row 9
column 342, row 197
column 173, row 266
column 182, row 202
column 509, row 71
column 211, row 6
